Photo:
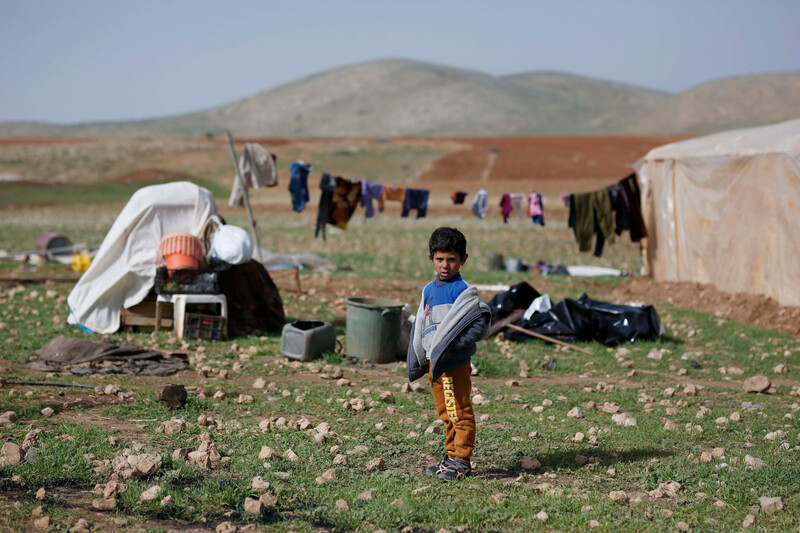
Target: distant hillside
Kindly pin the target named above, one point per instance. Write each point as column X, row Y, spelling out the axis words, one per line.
column 397, row 97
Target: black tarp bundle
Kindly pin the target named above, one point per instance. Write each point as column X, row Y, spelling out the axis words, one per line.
column 585, row 319
column 519, row 296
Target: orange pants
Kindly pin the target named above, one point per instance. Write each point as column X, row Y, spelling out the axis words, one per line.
column 451, row 393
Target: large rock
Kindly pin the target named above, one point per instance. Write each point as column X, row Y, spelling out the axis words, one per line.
column 756, row 384
column 11, row 454
column 769, row 505
column 171, row 396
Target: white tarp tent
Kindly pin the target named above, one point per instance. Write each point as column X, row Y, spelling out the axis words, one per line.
column 725, row 209
column 123, row 270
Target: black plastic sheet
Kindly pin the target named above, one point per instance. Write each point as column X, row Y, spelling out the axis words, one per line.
column 519, row 296
column 585, row 319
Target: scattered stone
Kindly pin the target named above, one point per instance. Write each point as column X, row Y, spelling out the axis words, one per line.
column 512, row 383
column 531, row 463
column 756, row 384
column 259, row 485
column 671, row 425
column 150, row 494
column 326, row 476
column 171, row 396
column 706, row 457
column 269, row 453
column 610, row 408
column 166, row 500
column 252, row 505
column 219, row 395
column 578, row 437
column 367, row 495
column 754, row 462
column 172, row 426
column 245, row 398
column 682, row 526
column 42, row 523
column 478, row 399
column 398, row 503
column 499, row 497
column 611, row 472
column 541, row 515
column 386, row 396
column 104, row 504
column 11, row 416
column 587, row 509
column 41, row 494
column 48, row 411
column 290, row 455
column 81, row 526
column 575, row 412
column 342, row 504
column 11, row 454
column 376, row 464
column 749, row 520
column 718, row 452
column 594, row 523
column 226, row 527
column 691, row 390
column 769, row 505
column 666, row 490
column 340, row 459
column 618, row 496
column 669, row 392
column 419, row 490
column 260, row 383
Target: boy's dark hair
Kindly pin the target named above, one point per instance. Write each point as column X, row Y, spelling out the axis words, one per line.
column 448, row 240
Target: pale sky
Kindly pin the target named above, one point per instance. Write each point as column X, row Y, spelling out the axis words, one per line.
column 92, row 60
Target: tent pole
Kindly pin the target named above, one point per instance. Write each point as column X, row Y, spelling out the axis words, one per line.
column 245, row 196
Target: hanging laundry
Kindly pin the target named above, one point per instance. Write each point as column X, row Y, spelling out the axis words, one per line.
column 345, row 201
column 505, row 207
column 298, row 185
column 369, row 192
column 516, row 202
column 328, row 186
column 258, row 169
column 394, row 194
column 415, row 199
column 619, row 203
column 480, row 204
column 458, row 197
column 635, row 220
column 536, row 208
column 590, row 214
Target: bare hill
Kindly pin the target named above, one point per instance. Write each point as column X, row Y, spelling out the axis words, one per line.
column 397, row 97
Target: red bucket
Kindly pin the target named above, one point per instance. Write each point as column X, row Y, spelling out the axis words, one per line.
column 181, row 250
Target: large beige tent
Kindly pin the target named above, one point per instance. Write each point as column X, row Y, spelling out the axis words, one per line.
column 725, row 209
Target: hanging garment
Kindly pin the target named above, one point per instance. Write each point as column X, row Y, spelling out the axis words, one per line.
column 298, row 184
column 480, row 204
column 590, row 214
column 345, row 201
column 619, row 203
column 258, row 170
column 636, row 221
column 415, row 199
column 458, row 197
column 505, row 207
column 328, row 186
column 394, row 194
column 516, row 202
column 369, row 192
column 536, row 208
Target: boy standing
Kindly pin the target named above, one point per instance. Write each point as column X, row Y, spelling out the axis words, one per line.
column 450, row 320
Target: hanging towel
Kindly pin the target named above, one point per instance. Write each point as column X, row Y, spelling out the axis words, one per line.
column 516, row 202
column 458, row 197
column 345, row 201
column 369, row 192
column 394, row 194
column 298, row 185
column 258, row 170
column 480, row 204
column 328, row 186
column 415, row 199
column 505, row 207
column 536, row 208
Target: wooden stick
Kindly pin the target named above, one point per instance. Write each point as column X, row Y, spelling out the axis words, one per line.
column 548, row 339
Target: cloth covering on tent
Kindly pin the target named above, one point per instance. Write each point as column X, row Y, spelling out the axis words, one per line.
column 123, row 270
column 258, row 169
column 725, row 209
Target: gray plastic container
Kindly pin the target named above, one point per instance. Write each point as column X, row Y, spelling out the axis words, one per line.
column 373, row 326
column 307, row 339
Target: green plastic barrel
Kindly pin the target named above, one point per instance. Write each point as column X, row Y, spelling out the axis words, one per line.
column 373, row 327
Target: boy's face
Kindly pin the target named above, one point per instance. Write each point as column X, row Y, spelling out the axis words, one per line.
column 447, row 264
